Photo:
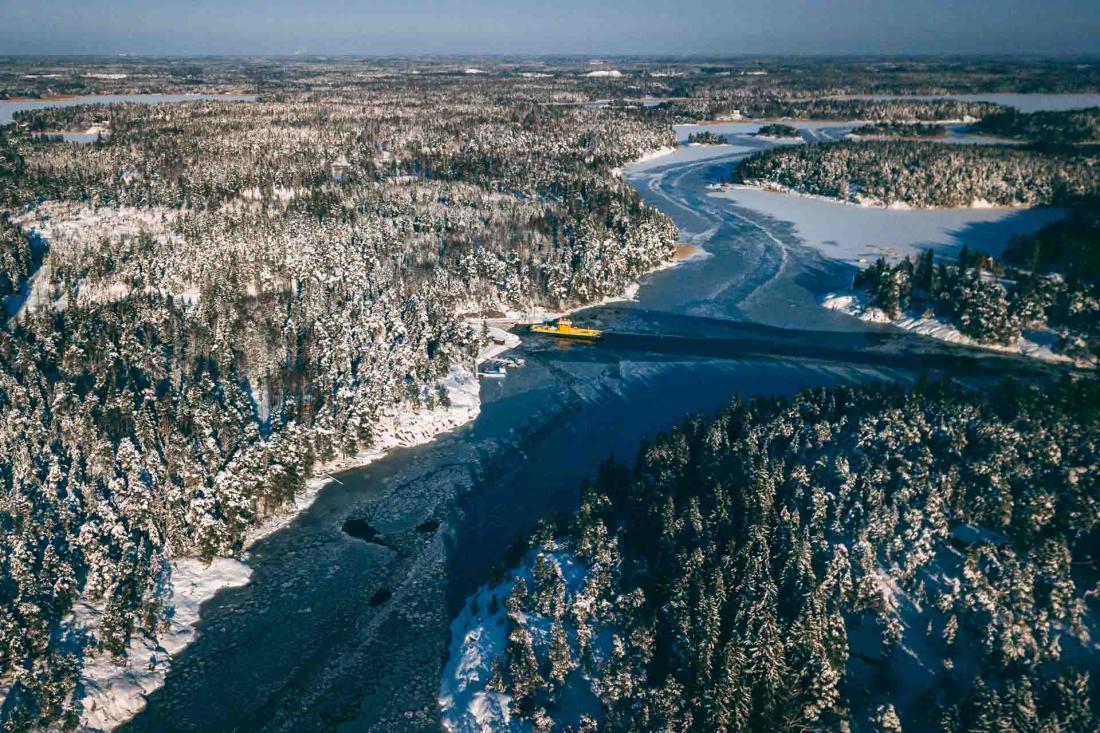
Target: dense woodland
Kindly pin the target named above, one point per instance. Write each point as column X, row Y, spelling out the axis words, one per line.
column 1071, row 246
column 727, row 81
column 865, row 559
column 900, row 130
column 924, row 174
column 778, row 130
column 987, row 304
column 232, row 292
column 1047, row 280
column 1054, row 128
column 893, row 110
column 723, row 104
column 706, row 137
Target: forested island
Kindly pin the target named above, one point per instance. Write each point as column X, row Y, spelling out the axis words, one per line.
column 706, row 137
column 1048, row 281
column 778, row 131
column 1069, row 127
column 903, row 130
column 869, row 559
column 923, row 174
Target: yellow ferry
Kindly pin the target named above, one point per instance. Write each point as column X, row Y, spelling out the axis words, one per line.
column 564, row 328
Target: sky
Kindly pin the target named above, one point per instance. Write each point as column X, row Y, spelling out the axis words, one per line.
column 707, row 27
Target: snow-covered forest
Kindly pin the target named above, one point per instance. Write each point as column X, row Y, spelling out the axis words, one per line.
column 1072, row 127
column 231, row 294
column 1047, row 281
column 924, row 174
column 903, row 130
column 869, row 559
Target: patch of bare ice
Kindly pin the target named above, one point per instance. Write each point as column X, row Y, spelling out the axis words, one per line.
column 858, row 234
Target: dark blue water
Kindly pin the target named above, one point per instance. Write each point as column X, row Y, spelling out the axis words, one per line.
column 339, row 632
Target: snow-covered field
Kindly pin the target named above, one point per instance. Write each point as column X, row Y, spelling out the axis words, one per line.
column 855, row 304
column 857, row 234
column 74, row 231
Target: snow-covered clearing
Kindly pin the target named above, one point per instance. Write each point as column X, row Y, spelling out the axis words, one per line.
column 77, row 234
column 855, row 304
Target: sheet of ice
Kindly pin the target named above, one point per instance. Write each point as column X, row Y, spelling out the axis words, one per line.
column 811, row 129
column 683, row 154
column 857, row 234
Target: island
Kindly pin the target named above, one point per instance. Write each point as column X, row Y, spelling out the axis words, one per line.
column 777, row 131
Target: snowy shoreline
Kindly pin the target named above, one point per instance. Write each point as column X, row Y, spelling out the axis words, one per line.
column 854, row 304
column 539, row 315
column 645, row 158
column 113, row 694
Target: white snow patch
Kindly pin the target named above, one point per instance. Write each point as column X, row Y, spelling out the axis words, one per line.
column 114, row 693
column 478, row 642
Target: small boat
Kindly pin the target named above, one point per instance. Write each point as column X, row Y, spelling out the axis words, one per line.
column 509, row 361
column 564, row 328
column 497, row 371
